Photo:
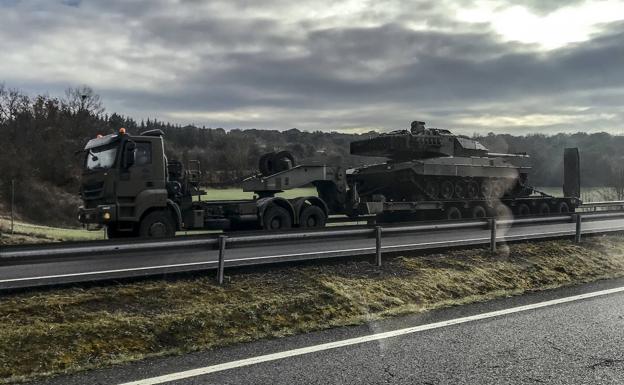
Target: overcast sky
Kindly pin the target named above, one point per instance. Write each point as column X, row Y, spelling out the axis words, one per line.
column 472, row 66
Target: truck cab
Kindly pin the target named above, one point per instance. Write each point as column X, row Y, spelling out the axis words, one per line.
column 125, row 186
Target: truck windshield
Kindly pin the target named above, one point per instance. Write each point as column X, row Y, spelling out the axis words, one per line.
column 101, row 157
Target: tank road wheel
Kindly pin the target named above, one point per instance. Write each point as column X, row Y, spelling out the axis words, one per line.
column 460, row 189
column 543, row 209
column 478, row 212
column 472, row 190
column 312, row 216
column 157, row 224
column 453, row 213
column 431, row 189
column 486, row 189
column 522, row 210
column 498, row 189
column 563, row 208
column 446, row 189
column 276, row 218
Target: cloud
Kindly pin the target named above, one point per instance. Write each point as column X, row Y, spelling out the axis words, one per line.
column 317, row 65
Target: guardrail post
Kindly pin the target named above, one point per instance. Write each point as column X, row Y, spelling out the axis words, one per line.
column 378, row 246
column 493, row 235
column 577, row 235
column 222, row 242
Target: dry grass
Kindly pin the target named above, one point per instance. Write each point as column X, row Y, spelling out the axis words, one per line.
column 71, row 329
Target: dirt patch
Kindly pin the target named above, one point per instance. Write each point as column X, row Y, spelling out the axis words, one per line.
column 65, row 330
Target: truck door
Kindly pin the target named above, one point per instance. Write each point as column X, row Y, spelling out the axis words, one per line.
column 140, row 184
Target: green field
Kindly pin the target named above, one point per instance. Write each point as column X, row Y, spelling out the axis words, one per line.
column 29, row 233
column 236, row 193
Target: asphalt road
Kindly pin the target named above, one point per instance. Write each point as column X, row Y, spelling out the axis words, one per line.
column 161, row 261
column 578, row 342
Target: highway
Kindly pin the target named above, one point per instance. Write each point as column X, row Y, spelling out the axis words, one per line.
column 565, row 336
column 29, row 272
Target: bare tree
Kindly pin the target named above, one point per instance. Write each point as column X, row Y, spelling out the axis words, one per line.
column 83, row 99
column 617, row 179
column 12, row 102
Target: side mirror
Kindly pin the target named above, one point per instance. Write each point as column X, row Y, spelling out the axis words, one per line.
column 129, row 154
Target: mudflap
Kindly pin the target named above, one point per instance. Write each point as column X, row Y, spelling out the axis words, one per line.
column 571, row 173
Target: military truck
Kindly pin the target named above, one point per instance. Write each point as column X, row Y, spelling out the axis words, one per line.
column 131, row 188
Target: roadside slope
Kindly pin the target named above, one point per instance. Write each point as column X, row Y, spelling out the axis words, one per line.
column 70, row 329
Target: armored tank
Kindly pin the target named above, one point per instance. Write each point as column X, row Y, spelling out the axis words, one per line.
column 434, row 164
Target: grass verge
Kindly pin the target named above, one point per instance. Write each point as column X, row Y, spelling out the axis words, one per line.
column 71, row 329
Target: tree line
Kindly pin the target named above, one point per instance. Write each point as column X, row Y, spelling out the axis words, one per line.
column 39, row 137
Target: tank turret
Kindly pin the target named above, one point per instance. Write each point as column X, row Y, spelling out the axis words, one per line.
column 418, row 143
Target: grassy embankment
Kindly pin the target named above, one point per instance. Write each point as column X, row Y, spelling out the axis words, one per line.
column 70, row 329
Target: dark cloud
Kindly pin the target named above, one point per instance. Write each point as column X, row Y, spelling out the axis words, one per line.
column 270, row 65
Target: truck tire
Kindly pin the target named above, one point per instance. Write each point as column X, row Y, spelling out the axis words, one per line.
column 157, row 224
column 276, row 218
column 478, row 212
column 543, row 209
column 453, row 213
column 523, row 210
column 312, row 216
column 563, row 208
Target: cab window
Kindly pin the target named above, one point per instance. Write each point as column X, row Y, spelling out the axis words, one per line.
column 143, row 153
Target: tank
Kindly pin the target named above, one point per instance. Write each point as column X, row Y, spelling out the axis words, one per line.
column 434, row 164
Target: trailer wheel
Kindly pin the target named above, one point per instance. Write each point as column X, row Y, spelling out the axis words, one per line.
column 276, row 218
column 563, row 208
column 522, row 210
column 543, row 209
column 157, row 224
column 312, row 216
column 502, row 211
column 478, row 212
column 453, row 213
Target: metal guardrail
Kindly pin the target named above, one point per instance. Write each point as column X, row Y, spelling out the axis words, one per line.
column 250, row 240
column 225, row 241
column 603, row 204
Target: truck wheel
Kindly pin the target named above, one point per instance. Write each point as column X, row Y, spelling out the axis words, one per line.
column 502, row 211
column 478, row 212
column 522, row 210
column 453, row 213
column 312, row 216
column 276, row 218
column 157, row 224
column 543, row 209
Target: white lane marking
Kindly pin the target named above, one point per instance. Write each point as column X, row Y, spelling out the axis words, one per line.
column 360, row 340
column 87, row 273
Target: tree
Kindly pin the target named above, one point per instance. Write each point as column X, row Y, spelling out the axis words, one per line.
column 83, row 100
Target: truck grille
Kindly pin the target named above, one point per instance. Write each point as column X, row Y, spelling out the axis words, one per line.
column 92, row 191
